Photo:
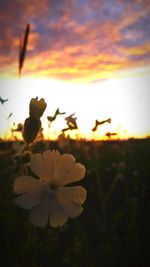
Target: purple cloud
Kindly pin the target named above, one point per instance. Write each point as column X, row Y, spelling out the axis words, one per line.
column 76, row 38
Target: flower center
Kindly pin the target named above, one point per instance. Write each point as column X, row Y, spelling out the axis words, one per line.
column 53, row 186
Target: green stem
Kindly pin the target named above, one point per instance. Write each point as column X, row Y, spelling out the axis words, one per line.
column 110, row 190
column 101, row 196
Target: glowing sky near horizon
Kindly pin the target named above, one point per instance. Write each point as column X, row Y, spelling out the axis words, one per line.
column 91, row 57
column 125, row 101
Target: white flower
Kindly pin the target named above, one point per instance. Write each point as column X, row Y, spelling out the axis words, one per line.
column 46, row 197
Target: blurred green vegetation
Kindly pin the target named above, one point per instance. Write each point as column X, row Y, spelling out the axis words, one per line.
column 114, row 228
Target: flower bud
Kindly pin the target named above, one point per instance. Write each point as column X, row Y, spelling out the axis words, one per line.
column 37, row 108
column 31, row 129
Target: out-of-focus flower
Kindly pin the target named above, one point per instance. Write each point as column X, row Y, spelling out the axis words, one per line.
column 121, row 166
column 114, row 164
column 71, row 122
column 37, row 108
column 120, row 176
column 19, row 128
column 31, row 129
column 32, row 125
column 97, row 123
column 57, row 112
column 63, row 141
column 47, row 197
column 109, row 135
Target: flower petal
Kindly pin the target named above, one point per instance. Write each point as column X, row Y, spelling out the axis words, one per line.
column 50, row 158
column 57, row 215
column 37, row 107
column 43, row 165
column 29, row 200
column 25, row 184
column 77, row 194
column 71, row 199
column 57, row 219
column 67, row 171
column 49, row 207
column 39, row 214
column 38, row 167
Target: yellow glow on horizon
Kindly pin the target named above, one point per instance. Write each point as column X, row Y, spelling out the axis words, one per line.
column 125, row 101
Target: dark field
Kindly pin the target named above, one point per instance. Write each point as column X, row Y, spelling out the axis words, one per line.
column 114, row 228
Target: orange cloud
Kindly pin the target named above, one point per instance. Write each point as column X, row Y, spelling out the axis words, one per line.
column 75, row 39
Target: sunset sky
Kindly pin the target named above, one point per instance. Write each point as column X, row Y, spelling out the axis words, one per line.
column 91, row 57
